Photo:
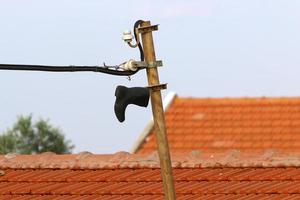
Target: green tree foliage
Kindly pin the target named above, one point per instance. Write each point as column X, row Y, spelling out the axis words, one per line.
column 28, row 138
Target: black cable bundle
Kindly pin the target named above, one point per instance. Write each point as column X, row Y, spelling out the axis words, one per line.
column 70, row 68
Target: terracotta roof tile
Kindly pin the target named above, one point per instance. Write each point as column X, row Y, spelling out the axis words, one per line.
column 151, row 197
column 123, row 160
column 222, row 124
column 231, row 175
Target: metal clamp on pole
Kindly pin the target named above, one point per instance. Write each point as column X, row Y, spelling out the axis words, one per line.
column 133, row 65
column 143, row 64
column 146, row 29
column 157, row 87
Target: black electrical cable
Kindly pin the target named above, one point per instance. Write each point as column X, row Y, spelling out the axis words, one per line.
column 65, row 69
column 136, row 25
column 71, row 68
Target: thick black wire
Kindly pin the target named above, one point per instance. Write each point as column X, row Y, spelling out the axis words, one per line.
column 65, row 69
column 71, row 68
column 136, row 25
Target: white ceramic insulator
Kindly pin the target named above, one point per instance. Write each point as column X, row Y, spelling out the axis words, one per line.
column 130, row 66
column 127, row 36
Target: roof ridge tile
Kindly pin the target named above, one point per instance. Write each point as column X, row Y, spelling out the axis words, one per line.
column 194, row 159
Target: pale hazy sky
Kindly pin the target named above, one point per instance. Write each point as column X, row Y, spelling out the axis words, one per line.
column 209, row 48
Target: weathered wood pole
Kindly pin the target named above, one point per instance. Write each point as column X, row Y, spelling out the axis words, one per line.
column 158, row 112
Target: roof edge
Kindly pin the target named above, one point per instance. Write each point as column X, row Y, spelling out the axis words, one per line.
column 168, row 100
column 124, row 160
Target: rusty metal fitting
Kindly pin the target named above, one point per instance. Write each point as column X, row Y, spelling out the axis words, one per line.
column 157, row 87
column 146, row 29
column 143, row 64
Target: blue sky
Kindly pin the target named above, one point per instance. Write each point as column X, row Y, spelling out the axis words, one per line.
column 209, row 48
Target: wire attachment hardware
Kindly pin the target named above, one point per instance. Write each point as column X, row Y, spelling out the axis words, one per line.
column 128, row 37
column 133, row 65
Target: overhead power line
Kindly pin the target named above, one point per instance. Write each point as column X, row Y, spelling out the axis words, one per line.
column 71, row 68
column 112, row 70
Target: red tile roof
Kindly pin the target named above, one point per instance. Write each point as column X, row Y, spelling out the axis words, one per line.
column 221, row 124
column 233, row 175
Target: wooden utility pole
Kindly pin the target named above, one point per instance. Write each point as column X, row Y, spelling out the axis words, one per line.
column 157, row 109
